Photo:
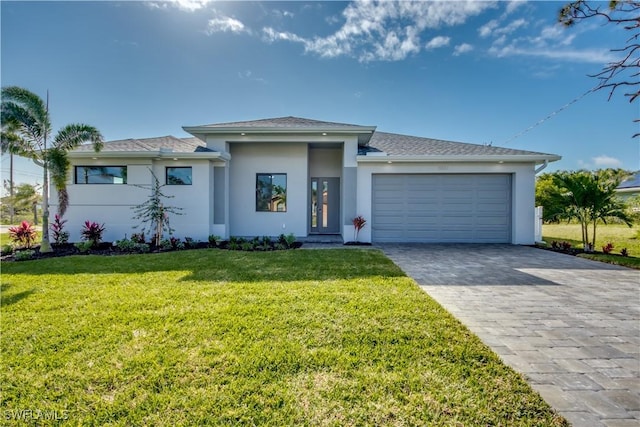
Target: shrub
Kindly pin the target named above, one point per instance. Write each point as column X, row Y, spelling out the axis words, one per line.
column 92, row 232
column 358, row 223
column 214, row 240
column 126, row 245
column 624, row 252
column 607, row 248
column 165, row 244
column 235, row 243
column 24, row 255
column 190, row 242
column 84, row 246
column 138, row 238
column 6, row 249
column 287, row 241
column 23, row 234
column 57, row 230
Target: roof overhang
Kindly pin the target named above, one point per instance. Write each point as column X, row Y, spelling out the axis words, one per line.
column 364, row 133
column 513, row 158
column 169, row 155
column 628, row 190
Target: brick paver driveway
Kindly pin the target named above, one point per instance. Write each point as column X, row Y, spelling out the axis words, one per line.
column 570, row 325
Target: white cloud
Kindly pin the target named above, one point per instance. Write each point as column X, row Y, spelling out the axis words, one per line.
column 462, row 48
column 248, row 75
column 188, row 5
column 596, row 56
column 605, row 161
column 384, row 30
column 487, row 29
column 222, row 24
column 513, row 5
column 438, row 41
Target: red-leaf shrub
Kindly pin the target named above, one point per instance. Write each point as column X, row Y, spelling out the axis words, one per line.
column 23, row 234
column 92, row 232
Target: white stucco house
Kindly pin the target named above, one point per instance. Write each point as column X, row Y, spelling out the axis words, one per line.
column 309, row 177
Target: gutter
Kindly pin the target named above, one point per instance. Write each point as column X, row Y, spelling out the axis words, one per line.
column 157, row 155
column 514, row 158
column 541, row 167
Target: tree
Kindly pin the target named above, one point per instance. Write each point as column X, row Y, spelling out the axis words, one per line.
column 28, row 115
column 10, row 143
column 624, row 72
column 590, row 197
column 547, row 193
column 154, row 214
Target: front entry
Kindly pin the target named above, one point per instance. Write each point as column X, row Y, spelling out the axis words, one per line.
column 325, row 206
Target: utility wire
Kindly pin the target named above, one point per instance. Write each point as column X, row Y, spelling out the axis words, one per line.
column 539, row 122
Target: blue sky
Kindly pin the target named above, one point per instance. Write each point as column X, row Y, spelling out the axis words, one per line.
column 479, row 72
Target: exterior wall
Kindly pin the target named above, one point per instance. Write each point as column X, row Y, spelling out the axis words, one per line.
column 248, row 159
column 112, row 204
column 522, row 199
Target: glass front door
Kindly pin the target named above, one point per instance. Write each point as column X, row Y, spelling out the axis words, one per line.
column 325, row 205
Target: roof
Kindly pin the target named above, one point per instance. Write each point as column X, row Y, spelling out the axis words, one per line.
column 631, row 183
column 288, row 122
column 162, row 143
column 404, row 145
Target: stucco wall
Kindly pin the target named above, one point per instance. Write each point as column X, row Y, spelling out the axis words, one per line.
column 112, row 204
column 248, row 159
column 523, row 190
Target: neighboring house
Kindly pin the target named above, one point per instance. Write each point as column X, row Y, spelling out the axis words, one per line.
column 629, row 187
column 307, row 177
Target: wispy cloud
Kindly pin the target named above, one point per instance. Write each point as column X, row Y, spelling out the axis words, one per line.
column 438, row 41
column 188, row 5
column 462, row 48
column 383, row 30
column 222, row 24
column 248, row 75
column 604, row 161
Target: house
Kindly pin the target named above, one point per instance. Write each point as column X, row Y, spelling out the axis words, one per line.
column 308, row 177
column 629, row 188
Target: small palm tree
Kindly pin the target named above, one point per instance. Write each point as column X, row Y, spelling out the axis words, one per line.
column 590, row 197
column 26, row 115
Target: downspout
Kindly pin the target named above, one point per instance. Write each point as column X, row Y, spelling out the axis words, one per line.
column 541, row 167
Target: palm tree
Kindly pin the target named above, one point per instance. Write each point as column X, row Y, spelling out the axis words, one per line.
column 28, row 116
column 10, row 143
column 590, row 197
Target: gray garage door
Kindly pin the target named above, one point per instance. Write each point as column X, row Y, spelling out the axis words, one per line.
column 469, row 208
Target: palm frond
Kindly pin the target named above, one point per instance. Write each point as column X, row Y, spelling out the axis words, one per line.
column 30, row 101
column 73, row 135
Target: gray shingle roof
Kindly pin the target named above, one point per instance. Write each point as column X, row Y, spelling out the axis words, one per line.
column 289, row 122
column 405, row 145
column 633, row 182
column 169, row 143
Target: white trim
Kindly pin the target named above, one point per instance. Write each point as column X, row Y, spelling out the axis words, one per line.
column 511, row 158
column 201, row 155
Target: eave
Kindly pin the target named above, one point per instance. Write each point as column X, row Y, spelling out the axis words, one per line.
column 364, row 132
column 512, row 158
column 170, row 155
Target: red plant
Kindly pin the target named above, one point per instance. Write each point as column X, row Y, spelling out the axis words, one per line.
column 23, row 234
column 624, row 252
column 358, row 223
column 92, row 232
column 59, row 235
column 607, row 248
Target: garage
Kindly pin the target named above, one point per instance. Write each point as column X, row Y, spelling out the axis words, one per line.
column 447, row 208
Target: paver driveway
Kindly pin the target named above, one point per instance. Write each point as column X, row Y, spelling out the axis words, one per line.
column 570, row 325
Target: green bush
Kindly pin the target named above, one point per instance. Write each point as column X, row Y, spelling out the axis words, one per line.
column 24, row 255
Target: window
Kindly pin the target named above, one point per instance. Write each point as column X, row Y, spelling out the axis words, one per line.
column 101, row 174
column 271, row 192
column 179, row 176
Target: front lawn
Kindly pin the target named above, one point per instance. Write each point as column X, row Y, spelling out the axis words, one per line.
column 305, row 337
column 619, row 235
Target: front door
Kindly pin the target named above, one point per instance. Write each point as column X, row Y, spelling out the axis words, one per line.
column 325, row 205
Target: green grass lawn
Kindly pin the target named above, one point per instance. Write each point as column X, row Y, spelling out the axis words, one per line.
column 306, row 337
column 620, row 235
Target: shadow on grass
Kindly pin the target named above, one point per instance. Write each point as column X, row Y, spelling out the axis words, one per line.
column 6, row 300
column 219, row 265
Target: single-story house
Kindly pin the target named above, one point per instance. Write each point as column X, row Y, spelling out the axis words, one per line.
column 308, row 177
column 629, row 187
